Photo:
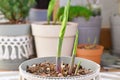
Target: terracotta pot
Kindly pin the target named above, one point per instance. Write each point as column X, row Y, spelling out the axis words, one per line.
column 46, row 38
column 91, row 54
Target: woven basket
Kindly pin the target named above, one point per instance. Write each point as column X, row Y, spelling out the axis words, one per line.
column 85, row 63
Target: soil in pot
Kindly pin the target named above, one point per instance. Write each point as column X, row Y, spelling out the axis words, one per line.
column 47, row 69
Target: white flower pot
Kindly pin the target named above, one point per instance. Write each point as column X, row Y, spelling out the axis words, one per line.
column 46, row 38
column 95, row 75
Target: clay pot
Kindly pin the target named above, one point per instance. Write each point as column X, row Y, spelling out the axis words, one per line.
column 91, row 54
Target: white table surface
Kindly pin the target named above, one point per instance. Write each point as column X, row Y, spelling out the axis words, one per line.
column 15, row 75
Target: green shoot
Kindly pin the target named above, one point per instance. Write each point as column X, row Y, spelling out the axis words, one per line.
column 77, row 67
column 61, row 37
column 88, row 40
column 74, row 53
column 50, row 9
column 95, row 40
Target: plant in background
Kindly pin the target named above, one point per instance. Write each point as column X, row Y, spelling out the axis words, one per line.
column 75, row 11
column 50, row 9
column 16, row 11
column 90, row 46
column 95, row 7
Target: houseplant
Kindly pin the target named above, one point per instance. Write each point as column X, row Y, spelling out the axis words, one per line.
column 39, row 11
column 90, row 51
column 114, row 21
column 88, row 19
column 15, row 37
column 47, row 34
column 32, row 65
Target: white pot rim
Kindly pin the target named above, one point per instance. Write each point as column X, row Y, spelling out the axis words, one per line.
column 40, row 29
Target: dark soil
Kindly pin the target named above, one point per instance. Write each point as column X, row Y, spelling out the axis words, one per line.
column 47, row 69
column 88, row 46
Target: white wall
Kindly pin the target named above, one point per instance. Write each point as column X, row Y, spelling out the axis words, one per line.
column 109, row 7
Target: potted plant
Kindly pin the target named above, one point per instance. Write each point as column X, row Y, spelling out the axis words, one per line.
column 38, row 69
column 114, row 20
column 88, row 19
column 15, row 35
column 47, row 34
column 90, row 51
column 39, row 11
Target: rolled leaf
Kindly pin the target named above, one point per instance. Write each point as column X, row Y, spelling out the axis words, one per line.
column 50, row 9
column 61, row 37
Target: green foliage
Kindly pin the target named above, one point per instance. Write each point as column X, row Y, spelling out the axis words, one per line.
column 50, row 9
column 75, row 11
column 61, row 36
column 74, row 53
column 16, row 11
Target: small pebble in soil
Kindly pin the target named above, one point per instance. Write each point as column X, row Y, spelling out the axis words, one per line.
column 47, row 69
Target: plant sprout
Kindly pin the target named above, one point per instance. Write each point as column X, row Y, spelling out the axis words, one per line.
column 61, row 37
column 90, row 46
column 74, row 53
column 50, row 9
column 77, row 67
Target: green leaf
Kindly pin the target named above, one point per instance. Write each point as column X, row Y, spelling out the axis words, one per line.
column 75, row 11
column 50, row 9
column 61, row 37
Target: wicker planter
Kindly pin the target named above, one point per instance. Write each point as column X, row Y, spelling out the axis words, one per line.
column 86, row 63
column 15, row 45
column 46, row 38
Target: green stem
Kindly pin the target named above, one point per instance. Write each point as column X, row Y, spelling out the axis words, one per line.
column 77, row 67
column 58, row 59
column 61, row 37
column 74, row 53
column 71, row 64
column 50, row 9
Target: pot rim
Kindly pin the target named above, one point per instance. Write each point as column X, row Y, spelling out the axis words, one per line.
column 39, row 29
column 94, row 73
column 99, row 47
